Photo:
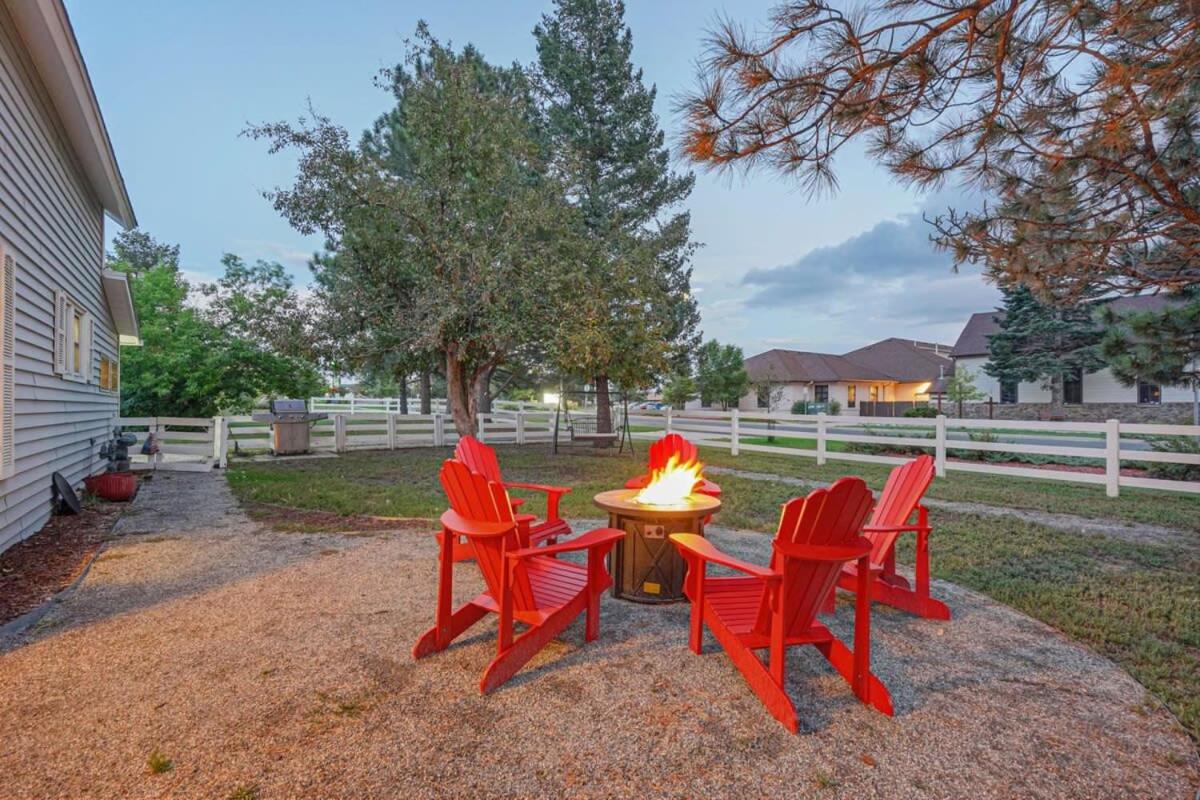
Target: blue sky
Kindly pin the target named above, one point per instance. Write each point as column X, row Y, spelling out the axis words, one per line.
column 178, row 81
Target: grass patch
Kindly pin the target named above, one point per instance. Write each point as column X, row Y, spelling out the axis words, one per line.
column 245, row 792
column 1137, row 604
column 157, row 763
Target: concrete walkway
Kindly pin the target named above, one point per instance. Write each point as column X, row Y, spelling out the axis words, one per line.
column 278, row 665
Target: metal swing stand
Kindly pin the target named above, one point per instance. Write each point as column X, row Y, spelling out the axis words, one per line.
column 581, row 429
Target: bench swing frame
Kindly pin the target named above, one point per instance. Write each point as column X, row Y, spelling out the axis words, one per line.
column 592, row 440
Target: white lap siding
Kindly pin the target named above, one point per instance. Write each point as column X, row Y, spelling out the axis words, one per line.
column 52, row 223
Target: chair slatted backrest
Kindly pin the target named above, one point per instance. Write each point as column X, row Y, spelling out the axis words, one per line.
column 671, row 445
column 475, row 498
column 905, row 487
column 478, row 457
column 830, row 517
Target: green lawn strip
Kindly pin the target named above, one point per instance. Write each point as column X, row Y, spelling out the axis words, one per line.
column 1170, row 509
column 1137, row 604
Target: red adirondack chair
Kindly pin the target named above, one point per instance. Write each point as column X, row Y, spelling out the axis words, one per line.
column 776, row 607
column 482, row 459
column 524, row 584
column 660, row 453
column 899, row 501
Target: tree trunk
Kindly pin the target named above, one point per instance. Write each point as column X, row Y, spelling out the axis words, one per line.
column 483, row 391
column 426, row 391
column 603, row 407
column 402, row 379
column 1056, row 397
column 458, row 396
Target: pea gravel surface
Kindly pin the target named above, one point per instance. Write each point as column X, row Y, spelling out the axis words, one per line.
column 257, row 664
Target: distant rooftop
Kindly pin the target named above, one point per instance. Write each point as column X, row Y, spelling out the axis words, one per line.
column 893, row 359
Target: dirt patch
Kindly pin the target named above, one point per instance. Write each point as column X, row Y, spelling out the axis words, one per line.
column 288, row 519
column 52, row 559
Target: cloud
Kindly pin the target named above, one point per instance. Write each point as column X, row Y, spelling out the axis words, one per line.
column 889, row 272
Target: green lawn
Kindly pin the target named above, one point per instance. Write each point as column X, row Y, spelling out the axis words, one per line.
column 1138, row 604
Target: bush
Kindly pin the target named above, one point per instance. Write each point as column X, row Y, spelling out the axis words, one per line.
column 925, row 412
column 981, row 455
column 835, row 407
column 1175, row 444
column 800, row 407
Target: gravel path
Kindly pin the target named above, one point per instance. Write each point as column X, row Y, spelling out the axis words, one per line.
column 280, row 663
column 1136, row 532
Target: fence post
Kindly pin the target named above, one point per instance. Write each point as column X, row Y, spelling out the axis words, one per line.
column 439, row 430
column 820, row 437
column 939, row 445
column 218, row 434
column 734, row 427
column 352, row 399
column 339, row 433
column 668, row 419
column 391, row 431
column 480, row 426
column 520, row 427
column 1112, row 457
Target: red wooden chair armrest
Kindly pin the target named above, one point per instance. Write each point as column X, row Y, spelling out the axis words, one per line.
column 819, row 552
column 695, row 545
column 524, row 518
column 452, row 520
column 600, row 536
column 892, row 528
column 537, row 487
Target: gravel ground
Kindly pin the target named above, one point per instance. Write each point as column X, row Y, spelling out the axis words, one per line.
column 278, row 665
column 1136, row 532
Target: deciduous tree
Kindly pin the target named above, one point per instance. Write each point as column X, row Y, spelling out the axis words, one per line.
column 721, row 374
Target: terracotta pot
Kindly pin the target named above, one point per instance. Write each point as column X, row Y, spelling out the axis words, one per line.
column 116, row 486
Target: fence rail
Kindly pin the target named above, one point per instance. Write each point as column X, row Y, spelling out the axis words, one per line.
column 1105, row 445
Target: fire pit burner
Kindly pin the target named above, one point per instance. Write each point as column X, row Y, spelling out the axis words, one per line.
column 645, row 566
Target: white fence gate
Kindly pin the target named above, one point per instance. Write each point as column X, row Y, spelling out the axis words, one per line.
column 185, row 444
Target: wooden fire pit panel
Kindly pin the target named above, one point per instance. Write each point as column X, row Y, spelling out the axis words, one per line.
column 645, row 566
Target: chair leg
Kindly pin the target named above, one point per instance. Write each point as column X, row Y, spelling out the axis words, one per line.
column 527, row 645
column 464, row 617
column 841, row 658
column 757, row 676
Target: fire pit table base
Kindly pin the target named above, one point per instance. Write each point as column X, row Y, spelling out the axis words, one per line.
column 645, row 566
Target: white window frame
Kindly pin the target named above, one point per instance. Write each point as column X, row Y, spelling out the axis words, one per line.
column 66, row 313
column 8, row 359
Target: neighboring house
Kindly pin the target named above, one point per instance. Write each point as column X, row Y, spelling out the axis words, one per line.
column 889, row 371
column 62, row 315
column 1092, row 396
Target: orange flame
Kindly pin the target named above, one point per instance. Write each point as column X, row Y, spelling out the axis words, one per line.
column 672, row 484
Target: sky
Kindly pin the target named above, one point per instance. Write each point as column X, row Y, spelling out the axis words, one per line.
column 177, row 83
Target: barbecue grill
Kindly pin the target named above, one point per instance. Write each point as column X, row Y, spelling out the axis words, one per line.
column 291, row 422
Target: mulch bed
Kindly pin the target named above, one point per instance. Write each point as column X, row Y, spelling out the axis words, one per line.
column 289, row 519
column 36, row 569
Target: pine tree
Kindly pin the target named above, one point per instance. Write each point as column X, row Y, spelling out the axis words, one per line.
column 1039, row 341
column 634, row 291
column 1157, row 346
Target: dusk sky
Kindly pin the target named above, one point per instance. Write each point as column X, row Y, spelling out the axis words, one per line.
column 177, row 82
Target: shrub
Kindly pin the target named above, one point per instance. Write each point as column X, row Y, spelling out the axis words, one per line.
column 925, row 412
column 835, row 407
column 981, row 455
column 800, row 407
column 1175, row 444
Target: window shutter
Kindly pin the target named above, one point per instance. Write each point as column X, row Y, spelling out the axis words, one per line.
column 60, row 333
column 85, row 349
column 8, row 367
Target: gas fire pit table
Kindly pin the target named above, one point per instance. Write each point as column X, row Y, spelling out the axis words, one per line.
column 645, row 566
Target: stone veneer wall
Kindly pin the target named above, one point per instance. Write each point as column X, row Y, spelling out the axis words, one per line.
column 1166, row 413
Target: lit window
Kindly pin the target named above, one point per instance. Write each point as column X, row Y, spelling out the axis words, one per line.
column 851, row 395
column 1149, row 394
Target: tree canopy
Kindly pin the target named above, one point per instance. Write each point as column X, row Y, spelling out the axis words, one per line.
column 721, row 374
column 1078, row 121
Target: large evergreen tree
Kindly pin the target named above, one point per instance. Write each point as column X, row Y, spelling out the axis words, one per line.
column 633, row 293
column 1045, row 342
column 1157, row 346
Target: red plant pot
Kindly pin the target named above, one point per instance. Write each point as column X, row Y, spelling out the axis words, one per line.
column 116, row 486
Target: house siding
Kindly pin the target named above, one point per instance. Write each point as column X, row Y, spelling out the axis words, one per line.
column 53, row 225
column 1104, row 397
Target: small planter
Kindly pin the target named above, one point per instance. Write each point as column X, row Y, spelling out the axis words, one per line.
column 115, row 486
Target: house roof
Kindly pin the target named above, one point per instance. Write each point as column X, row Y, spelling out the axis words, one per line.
column 973, row 341
column 50, row 40
column 887, row 360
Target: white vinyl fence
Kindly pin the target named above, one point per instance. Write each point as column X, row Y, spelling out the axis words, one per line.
column 187, row 443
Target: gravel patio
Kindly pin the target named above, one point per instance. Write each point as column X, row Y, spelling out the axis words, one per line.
column 277, row 665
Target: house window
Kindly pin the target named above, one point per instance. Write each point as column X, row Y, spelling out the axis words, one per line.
column 1008, row 391
column 1073, row 387
column 110, row 374
column 73, row 333
column 1149, row 394
column 874, row 394
column 851, row 395
column 764, row 396
column 821, row 393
